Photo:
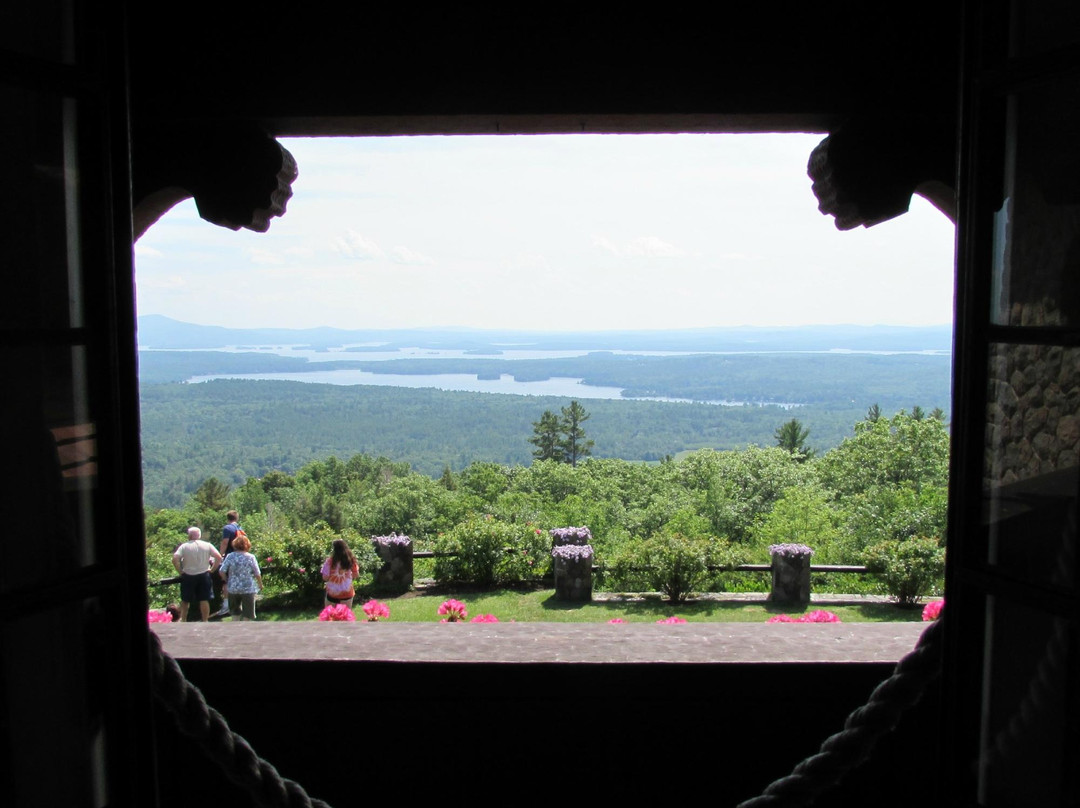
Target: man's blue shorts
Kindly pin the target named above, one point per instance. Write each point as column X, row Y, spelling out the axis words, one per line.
column 194, row 588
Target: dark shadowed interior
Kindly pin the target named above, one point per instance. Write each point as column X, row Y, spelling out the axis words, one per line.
column 111, row 116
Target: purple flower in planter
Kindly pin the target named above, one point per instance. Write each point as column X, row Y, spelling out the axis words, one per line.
column 392, row 539
column 570, row 535
column 572, row 552
column 790, row 550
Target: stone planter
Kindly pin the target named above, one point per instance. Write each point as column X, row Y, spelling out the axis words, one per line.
column 573, row 572
column 396, row 553
column 790, row 574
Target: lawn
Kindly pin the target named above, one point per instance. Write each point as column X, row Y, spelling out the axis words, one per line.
column 540, row 606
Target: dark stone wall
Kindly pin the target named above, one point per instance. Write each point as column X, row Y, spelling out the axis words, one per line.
column 639, row 733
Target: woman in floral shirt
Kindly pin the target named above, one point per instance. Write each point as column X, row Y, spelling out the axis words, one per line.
column 241, row 573
column 338, row 571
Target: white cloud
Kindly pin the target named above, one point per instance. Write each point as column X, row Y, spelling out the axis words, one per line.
column 259, row 256
column 652, row 247
column 527, row 263
column 605, row 244
column 165, row 282
column 640, row 247
column 142, row 251
column 354, row 245
column 403, row 255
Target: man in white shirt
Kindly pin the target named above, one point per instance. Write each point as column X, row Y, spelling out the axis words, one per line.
column 196, row 560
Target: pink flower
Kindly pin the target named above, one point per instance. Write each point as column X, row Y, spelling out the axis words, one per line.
column 374, row 610
column 303, row 570
column 819, row 616
column 454, row 610
column 158, row 616
column 932, row 610
column 337, row 612
column 268, row 558
column 671, row 620
column 485, row 618
column 616, row 620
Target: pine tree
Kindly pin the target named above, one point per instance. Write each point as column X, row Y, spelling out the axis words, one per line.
column 547, row 437
column 212, row 495
column 574, row 445
column 792, row 437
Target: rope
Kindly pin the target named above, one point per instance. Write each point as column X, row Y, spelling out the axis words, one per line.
column 842, row 752
column 202, row 723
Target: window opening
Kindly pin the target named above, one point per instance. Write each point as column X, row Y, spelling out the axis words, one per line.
column 654, row 234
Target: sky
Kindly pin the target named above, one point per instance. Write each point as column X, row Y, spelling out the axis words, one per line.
column 554, row 233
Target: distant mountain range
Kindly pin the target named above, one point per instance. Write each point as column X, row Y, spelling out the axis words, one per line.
column 157, row 331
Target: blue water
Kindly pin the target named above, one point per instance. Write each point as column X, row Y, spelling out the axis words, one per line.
column 465, row 382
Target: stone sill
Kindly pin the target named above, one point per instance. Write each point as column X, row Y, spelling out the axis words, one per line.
column 532, row 643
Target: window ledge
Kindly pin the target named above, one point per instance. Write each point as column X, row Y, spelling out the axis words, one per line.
column 531, row 643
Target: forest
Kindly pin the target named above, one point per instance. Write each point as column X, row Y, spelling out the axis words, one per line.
column 234, row 429
column 237, row 428
column 878, row 497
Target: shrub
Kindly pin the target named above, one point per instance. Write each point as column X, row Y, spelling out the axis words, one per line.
column 486, row 551
column 292, row 559
column 670, row 563
column 908, row 569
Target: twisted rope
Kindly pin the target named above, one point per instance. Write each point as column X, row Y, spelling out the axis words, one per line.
column 198, row 721
column 842, row 752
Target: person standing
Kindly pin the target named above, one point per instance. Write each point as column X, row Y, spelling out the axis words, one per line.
column 229, row 533
column 243, row 578
column 195, row 560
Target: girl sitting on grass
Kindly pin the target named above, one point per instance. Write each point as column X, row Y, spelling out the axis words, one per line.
column 338, row 571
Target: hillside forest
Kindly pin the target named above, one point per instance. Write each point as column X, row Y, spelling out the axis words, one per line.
column 877, row 497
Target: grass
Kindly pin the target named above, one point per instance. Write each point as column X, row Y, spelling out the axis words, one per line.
column 540, row 606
